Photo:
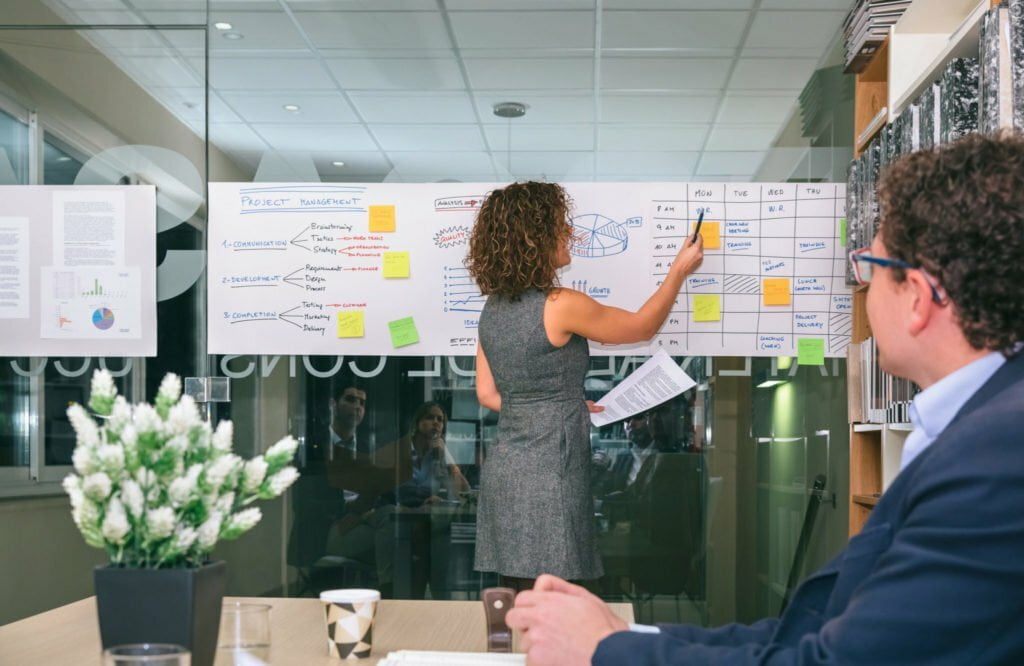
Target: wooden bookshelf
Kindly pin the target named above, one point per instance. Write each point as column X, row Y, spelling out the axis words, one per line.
column 871, row 95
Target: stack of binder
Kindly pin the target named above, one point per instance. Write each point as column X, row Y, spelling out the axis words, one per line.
column 866, row 27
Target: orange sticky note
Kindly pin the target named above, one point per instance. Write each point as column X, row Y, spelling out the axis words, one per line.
column 382, row 218
column 350, row 324
column 711, row 232
column 776, row 291
column 396, row 264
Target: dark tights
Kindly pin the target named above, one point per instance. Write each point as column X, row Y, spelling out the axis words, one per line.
column 517, row 584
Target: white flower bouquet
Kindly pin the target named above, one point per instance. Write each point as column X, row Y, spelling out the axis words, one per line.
column 155, row 486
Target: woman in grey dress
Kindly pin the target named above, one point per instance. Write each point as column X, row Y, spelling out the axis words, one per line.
column 535, row 513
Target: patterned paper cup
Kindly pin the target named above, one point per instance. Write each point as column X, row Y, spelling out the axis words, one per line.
column 349, row 616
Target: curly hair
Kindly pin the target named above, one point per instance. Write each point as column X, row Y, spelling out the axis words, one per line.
column 958, row 212
column 518, row 229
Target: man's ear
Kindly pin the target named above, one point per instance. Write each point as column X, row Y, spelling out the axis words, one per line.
column 923, row 308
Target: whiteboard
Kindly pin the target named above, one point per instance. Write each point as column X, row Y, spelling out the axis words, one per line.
column 303, row 268
column 78, row 270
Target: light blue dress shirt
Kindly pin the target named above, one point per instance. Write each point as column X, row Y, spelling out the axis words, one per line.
column 933, row 408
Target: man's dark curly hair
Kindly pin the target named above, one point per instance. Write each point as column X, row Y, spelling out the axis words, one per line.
column 518, row 229
column 958, row 212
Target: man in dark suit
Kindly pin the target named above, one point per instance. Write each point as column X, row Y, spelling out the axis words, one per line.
column 937, row 574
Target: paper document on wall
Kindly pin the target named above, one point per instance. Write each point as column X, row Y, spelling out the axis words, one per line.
column 89, row 228
column 654, row 382
column 14, row 268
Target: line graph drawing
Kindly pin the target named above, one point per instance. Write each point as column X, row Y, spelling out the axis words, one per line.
column 460, row 291
column 596, row 236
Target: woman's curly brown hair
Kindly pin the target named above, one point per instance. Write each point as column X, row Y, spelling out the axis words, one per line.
column 958, row 211
column 518, row 229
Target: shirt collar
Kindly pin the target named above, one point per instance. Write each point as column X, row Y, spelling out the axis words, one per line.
column 934, row 408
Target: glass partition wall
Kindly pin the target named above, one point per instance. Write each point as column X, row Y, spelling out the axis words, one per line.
column 179, row 94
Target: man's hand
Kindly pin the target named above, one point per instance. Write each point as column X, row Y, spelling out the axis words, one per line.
column 561, row 623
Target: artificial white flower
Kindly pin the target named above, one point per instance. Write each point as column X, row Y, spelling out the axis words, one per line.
column 73, row 487
column 285, row 447
column 222, row 436
column 86, row 513
column 253, row 474
column 84, row 460
column 131, row 495
column 115, row 522
column 160, row 522
column 96, row 486
column 129, row 436
column 170, row 387
column 111, row 457
column 282, row 480
column 183, row 488
column 121, row 415
column 183, row 416
column 103, row 384
column 209, row 531
column 178, row 444
column 244, row 520
column 219, row 470
column 87, row 432
column 184, row 537
column 224, row 503
column 145, row 419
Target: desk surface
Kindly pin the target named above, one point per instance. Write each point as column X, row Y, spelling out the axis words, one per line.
column 70, row 634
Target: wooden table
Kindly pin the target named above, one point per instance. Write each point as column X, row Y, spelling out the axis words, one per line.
column 70, row 634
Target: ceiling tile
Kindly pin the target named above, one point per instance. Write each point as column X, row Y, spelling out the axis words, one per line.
column 726, row 163
column 764, row 109
column 651, row 137
column 425, row 166
column 794, row 29
column 552, row 166
column 433, row 107
column 843, row 5
column 312, row 138
column 655, row 29
column 772, row 74
column 650, row 163
column 657, row 109
column 268, row 73
column 540, row 109
column 429, row 137
column 678, row 4
column 525, row 30
column 230, row 137
column 663, row 73
column 357, row 5
column 529, row 74
column 533, row 137
column 397, row 73
column 524, row 5
column 262, row 107
column 375, row 30
column 356, row 163
column 742, row 137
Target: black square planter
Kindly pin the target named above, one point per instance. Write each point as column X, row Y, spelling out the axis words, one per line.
column 180, row 606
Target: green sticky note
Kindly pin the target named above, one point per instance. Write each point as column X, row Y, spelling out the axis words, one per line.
column 707, row 307
column 810, row 351
column 403, row 332
column 842, row 231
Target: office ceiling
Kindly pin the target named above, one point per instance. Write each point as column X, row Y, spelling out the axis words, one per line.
column 403, row 90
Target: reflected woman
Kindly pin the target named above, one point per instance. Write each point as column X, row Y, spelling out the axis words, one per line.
column 535, row 514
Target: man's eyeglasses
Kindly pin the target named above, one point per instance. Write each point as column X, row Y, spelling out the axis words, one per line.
column 863, row 263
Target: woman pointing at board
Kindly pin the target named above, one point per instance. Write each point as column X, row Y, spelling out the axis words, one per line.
column 535, row 513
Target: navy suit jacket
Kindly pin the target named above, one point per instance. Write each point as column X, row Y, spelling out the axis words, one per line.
column 935, row 577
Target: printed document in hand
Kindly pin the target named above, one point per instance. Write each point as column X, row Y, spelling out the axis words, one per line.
column 654, row 382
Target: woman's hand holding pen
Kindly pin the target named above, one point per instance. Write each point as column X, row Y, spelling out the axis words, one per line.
column 690, row 255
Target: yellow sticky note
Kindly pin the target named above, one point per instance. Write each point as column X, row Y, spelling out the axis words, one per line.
column 350, row 324
column 396, row 264
column 711, row 232
column 403, row 332
column 776, row 291
column 382, row 218
column 707, row 307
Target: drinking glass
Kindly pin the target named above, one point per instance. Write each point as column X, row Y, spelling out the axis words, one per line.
column 147, row 654
column 244, row 634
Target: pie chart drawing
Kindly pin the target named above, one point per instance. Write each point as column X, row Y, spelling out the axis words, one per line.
column 597, row 236
column 102, row 318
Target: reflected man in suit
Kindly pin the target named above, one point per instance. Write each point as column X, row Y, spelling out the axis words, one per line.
column 936, row 575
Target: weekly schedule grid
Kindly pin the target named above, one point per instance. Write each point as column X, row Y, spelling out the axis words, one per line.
column 773, row 277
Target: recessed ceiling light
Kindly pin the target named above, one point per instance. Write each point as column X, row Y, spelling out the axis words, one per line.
column 509, row 109
column 338, row 163
column 63, row 158
column 222, row 25
column 233, row 35
column 293, row 108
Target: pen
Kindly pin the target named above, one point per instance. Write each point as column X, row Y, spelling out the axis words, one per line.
column 696, row 231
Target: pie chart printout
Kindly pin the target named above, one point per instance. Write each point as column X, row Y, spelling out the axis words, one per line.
column 102, row 318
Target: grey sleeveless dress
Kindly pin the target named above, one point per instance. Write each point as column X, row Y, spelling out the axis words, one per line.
column 535, row 511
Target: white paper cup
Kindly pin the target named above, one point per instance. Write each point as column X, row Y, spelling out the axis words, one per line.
column 349, row 614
